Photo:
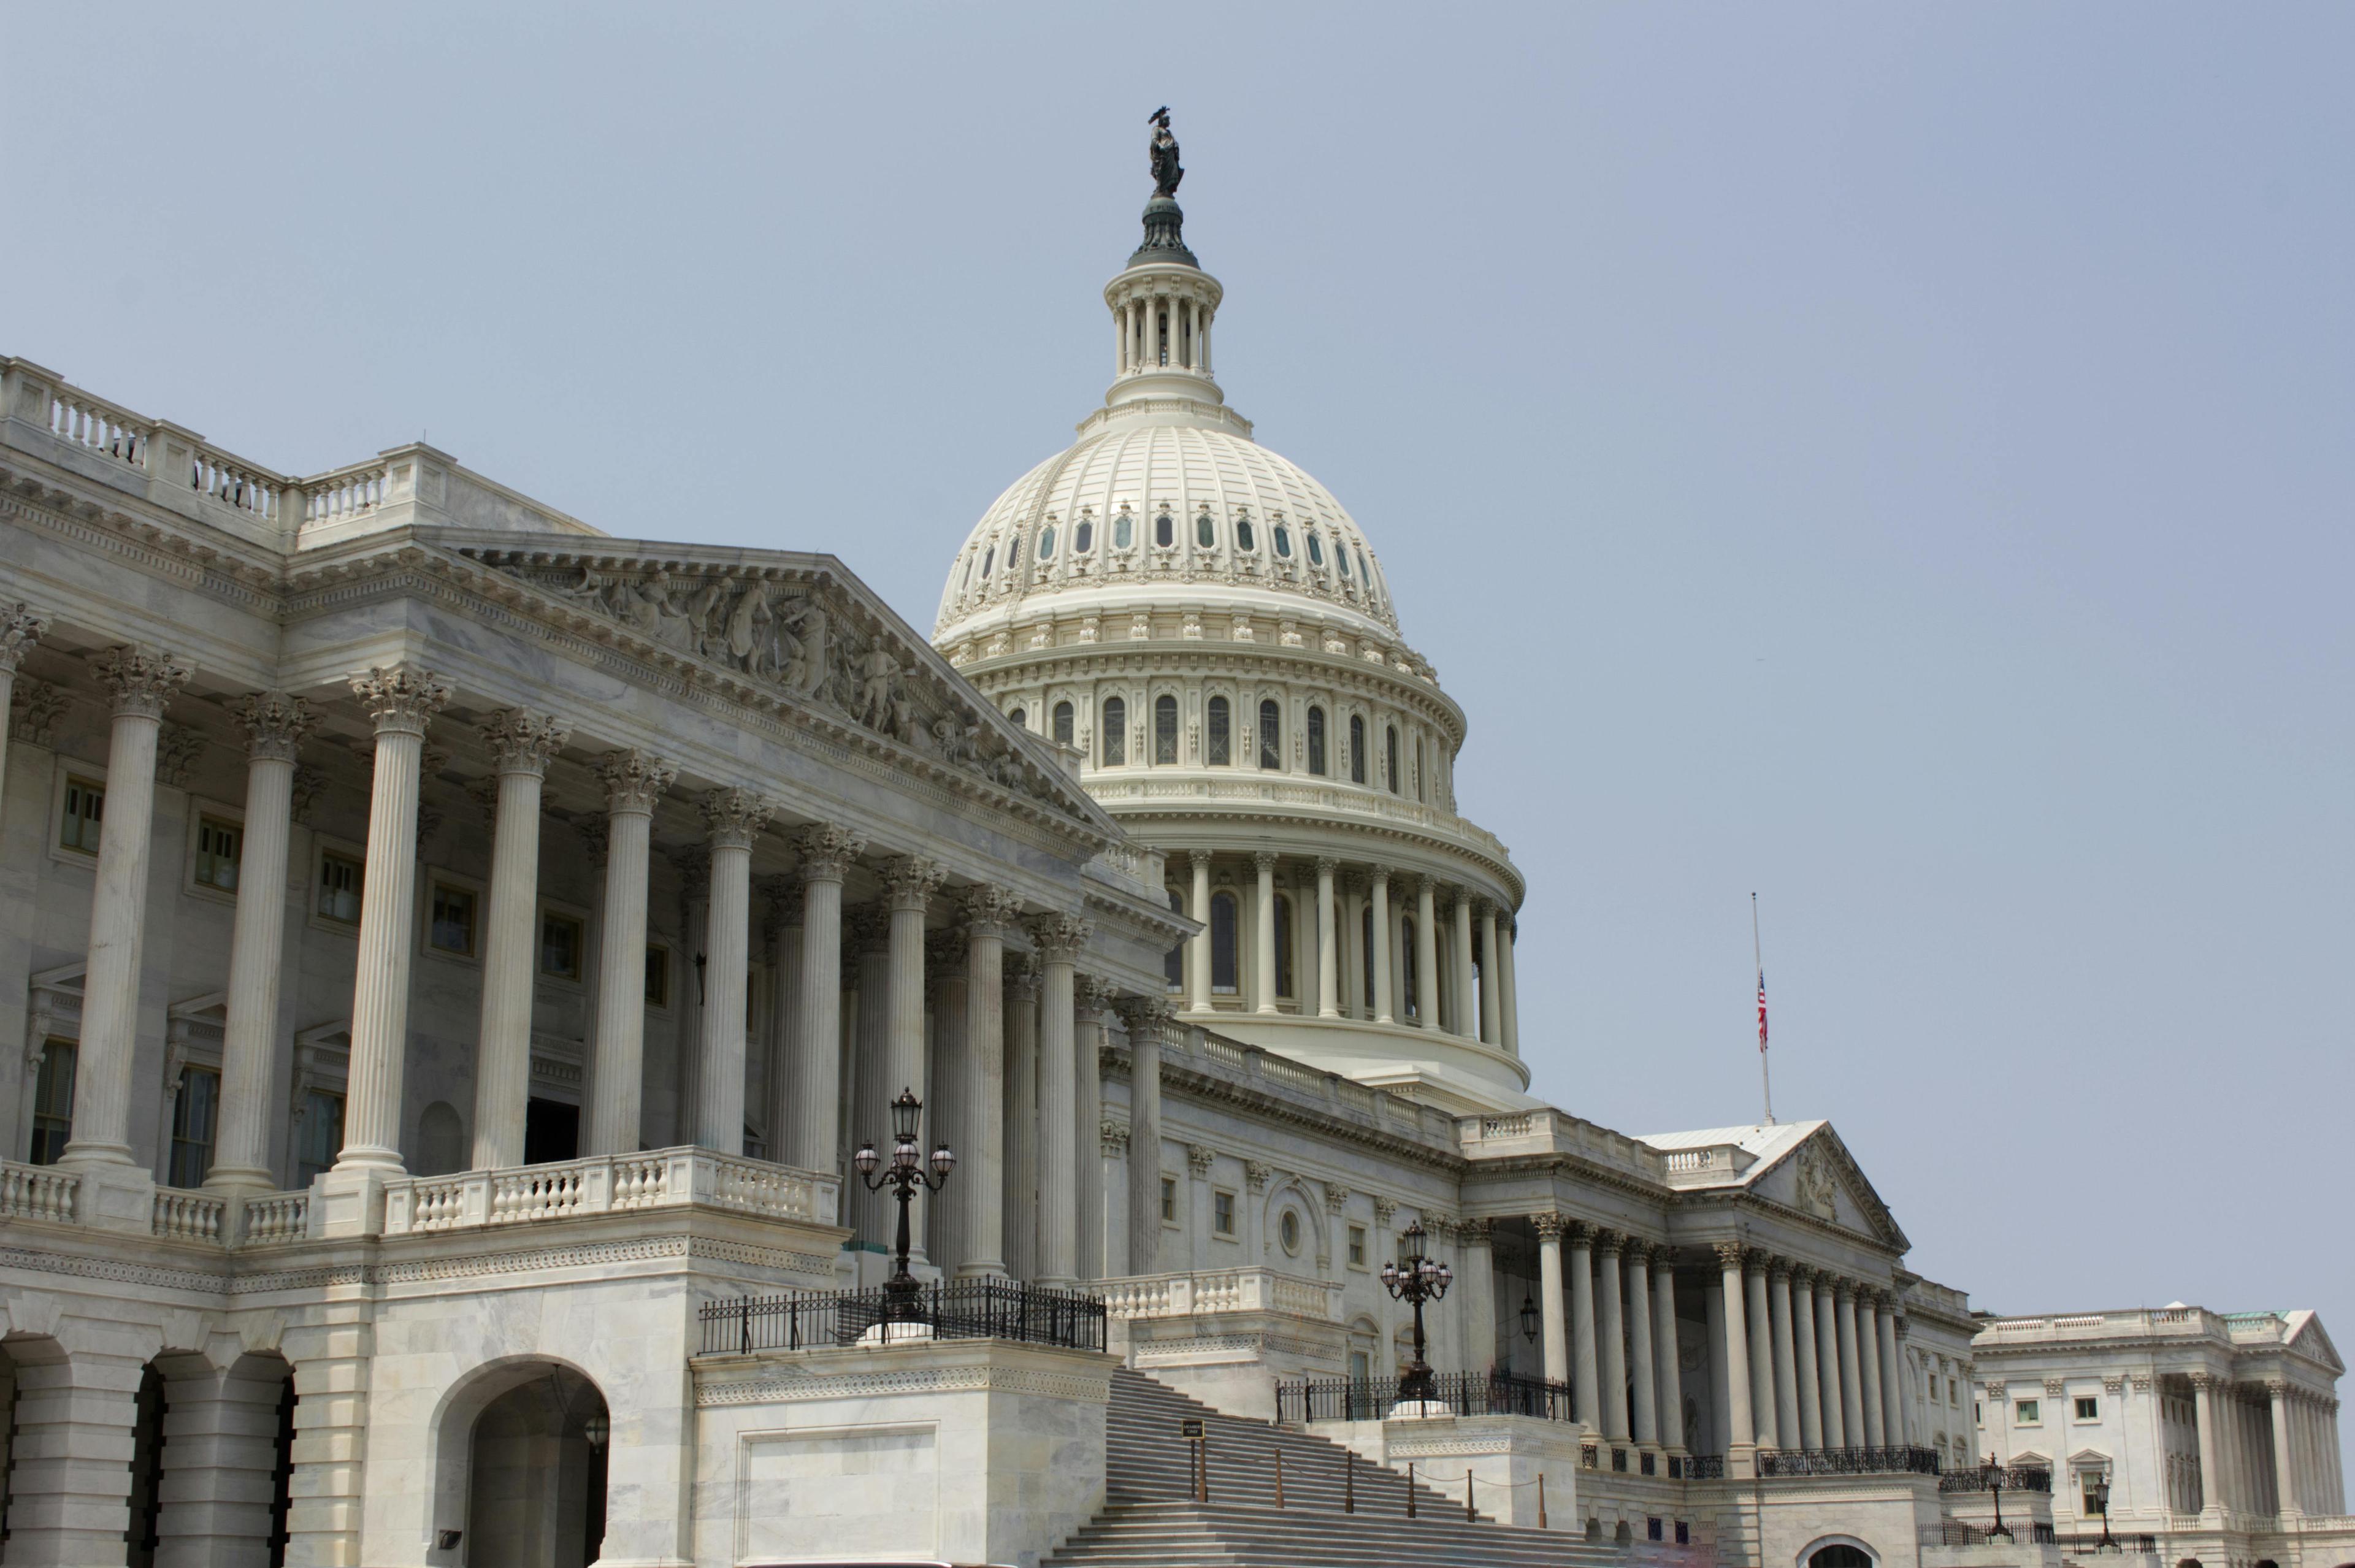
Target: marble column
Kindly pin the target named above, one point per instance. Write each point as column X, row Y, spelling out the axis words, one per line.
column 1480, row 1308
column 1670, row 1360
column 1868, row 1352
column 1827, row 1361
column 1328, row 954
column 274, row 724
column 1491, row 1019
column 735, row 818
column 1786, row 1362
column 982, row 1078
column 1610, row 1291
column 140, row 685
column 1354, row 984
column 1148, row 1018
column 2285, row 1500
column 780, row 899
column 1644, row 1378
column 909, row 882
column 1804, row 1340
column 1762, row 1352
column 1426, row 953
column 950, row 1114
column 1021, row 1102
column 1586, row 1391
column 1719, row 1439
column 1466, row 989
column 521, row 745
column 399, row 701
column 1059, row 940
column 1264, row 931
column 1740, row 1435
column 634, row 782
column 1852, row 1422
column 823, row 856
column 20, row 628
column 1199, row 988
column 1509, row 1031
column 1088, row 1195
column 867, row 945
column 1383, row 996
column 1549, row 1229
column 1892, row 1380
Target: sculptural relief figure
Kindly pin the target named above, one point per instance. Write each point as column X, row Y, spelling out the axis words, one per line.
column 1163, row 151
column 877, row 702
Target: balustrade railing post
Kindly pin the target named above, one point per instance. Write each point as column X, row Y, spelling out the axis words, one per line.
column 1279, row 1459
column 1349, row 1480
column 745, row 1324
column 1541, row 1513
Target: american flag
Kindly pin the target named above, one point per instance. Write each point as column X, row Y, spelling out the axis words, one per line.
column 1761, row 1012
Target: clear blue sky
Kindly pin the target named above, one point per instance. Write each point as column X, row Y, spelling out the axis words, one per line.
column 1892, row 459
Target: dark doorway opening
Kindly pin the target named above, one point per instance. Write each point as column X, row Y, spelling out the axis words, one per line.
column 551, row 1131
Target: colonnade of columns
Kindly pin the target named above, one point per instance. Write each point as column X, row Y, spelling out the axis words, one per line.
column 1617, row 1344
column 1441, row 956
column 1149, row 327
column 2267, row 1448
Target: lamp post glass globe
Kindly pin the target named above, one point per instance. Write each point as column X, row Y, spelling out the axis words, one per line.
column 1417, row 1281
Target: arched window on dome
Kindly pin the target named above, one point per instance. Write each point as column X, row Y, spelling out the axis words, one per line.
column 1062, row 721
column 1407, row 976
column 1317, row 741
column 1390, row 755
column 1206, row 532
column 1283, row 979
column 1083, row 538
column 1222, row 733
column 1282, row 542
column 1164, row 530
column 1422, row 773
column 1366, row 947
column 1173, row 963
column 1115, row 732
column 1365, row 575
column 1271, row 734
column 1124, row 531
column 988, row 559
column 1341, row 558
column 1020, row 716
column 1315, row 548
column 1047, row 542
column 1222, row 945
column 1244, row 538
column 1165, row 731
column 1356, row 748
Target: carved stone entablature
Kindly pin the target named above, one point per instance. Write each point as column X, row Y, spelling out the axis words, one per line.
column 38, row 705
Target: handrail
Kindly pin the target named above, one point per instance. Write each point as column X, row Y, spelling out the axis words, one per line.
column 962, row 1309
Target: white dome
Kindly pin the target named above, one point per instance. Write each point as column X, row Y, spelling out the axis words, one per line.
column 1278, row 539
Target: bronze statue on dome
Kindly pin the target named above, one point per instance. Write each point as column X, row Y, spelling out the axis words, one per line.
column 1163, row 151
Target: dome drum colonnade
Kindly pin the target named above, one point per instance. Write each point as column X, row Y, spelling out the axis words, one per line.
column 1207, row 628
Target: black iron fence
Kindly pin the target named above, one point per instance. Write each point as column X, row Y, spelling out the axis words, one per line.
column 1465, row 1394
column 965, row 1309
column 1848, row 1462
column 1698, row 1468
column 1980, row 1479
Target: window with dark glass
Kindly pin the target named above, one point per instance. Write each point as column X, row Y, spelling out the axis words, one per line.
column 53, row 1092
column 1284, row 945
column 322, row 1136
column 1063, row 723
column 1222, row 739
column 1047, row 542
column 657, row 975
column 1356, row 749
column 1115, row 731
column 1390, row 755
column 1315, row 550
column 1366, row 947
column 1363, row 572
column 1124, row 531
column 562, row 940
column 988, row 559
column 1223, row 943
column 1282, row 542
column 1407, row 975
column 1317, row 741
column 450, row 920
column 196, row 1116
column 1165, row 731
column 1173, row 963
column 1083, row 538
column 1271, row 735
column 1021, row 718
column 219, row 847
column 1341, row 558
column 1422, row 773
column 1164, row 530
column 85, row 811
column 1244, row 538
column 1222, row 1214
column 1206, row 532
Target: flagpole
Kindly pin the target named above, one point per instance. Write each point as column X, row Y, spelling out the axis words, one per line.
column 1765, row 1082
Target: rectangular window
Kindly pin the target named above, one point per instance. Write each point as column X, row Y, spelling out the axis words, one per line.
column 450, row 920
column 219, row 845
column 322, row 1137
column 657, row 975
column 1317, row 741
column 1284, row 986
column 2086, row 1481
column 196, row 1114
column 85, row 809
column 53, row 1102
column 1356, row 1246
column 562, row 941
column 2089, row 1410
column 339, row 889
column 1168, row 1200
column 1271, row 736
column 1222, row 1214
column 1953, row 1390
column 2026, row 1413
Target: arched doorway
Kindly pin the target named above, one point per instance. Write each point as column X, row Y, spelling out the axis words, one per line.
column 532, row 1438
column 1839, row 1554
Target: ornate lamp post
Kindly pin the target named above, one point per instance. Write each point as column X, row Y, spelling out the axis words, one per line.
column 902, row 1295
column 1417, row 1280
column 2098, row 1494
column 1995, row 1485
column 1528, row 1317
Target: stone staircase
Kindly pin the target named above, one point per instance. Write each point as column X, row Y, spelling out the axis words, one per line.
column 1151, row 1521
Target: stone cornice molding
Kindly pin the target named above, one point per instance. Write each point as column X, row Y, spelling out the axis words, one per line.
column 522, row 742
column 20, row 628
column 735, row 816
column 399, row 698
column 274, row 722
column 635, row 781
column 142, row 684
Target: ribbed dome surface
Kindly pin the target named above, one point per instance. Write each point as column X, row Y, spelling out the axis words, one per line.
column 1089, row 522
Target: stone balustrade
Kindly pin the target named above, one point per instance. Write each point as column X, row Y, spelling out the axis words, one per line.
column 1212, row 1292
column 38, row 1193
column 662, row 1178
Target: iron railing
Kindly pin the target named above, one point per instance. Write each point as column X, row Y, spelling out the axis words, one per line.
column 965, row 1309
column 2090, row 1540
column 1905, row 1461
column 1698, row 1468
column 1979, row 1478
column 1465, row 1394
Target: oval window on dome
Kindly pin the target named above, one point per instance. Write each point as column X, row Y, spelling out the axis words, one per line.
column 1164, row 530
column 1362, row 568
column 1047, row 542
column 1083, row 538
column 1316, row 548
column 1124, row 531
column 1341, row 555
column 1206, row 532
column 1244, row 538
column 988, row 559
column 1282, row 542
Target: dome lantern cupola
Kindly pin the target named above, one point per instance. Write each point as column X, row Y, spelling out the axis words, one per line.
column 1162, row 304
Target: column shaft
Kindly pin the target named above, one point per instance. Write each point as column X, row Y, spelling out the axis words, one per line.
column 1893, row 1380
column 1060, row 942
column 1466, row 989
column 1198, row 990
column 823, row 854
column 1868, row 1351
column 1479, row 1306
column 1329, row 955
column 984, row 1081
column 521, row 745
column 1740, row 1434
column 1809, row 1375
column 275, row 723
column 1827, row 1360
column 1851, row 1377
column 1586, row 1393
column 634, row 782
column 910, row 884
column 1509, row 1031
column 871, row 1056
column 1643, row 1380
column 1263, row 933
column 1550, row 1282
column 735, row 816
column 1491, row 1018
column 2285, row 1462
column 1426, row 953
column 1762, row 1356
column 1020, row 1098
column 1786, row 1364
column 1086, row 1133
column 1144, row 1026
column 1611, row 1296
column 1666, row 1356
column 1382, row 993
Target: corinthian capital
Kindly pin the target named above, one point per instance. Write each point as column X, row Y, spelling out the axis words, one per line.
column 274, row 723
column 1060, row 938
column 988, row 910
column 735, row 816
column 1148, row 1017
column 635, row 781
column 399, row 698
column 141, row 682
column 19, row 630
column 826, row 851
column 910, row 882
column 1729, row 1255
column 522, row 742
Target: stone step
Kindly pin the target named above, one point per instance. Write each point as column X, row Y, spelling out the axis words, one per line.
column 1162, row 1535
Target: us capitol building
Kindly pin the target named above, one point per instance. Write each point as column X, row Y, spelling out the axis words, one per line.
column 461, row 960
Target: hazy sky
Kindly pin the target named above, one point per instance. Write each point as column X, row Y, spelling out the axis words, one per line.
column 1893, row 460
